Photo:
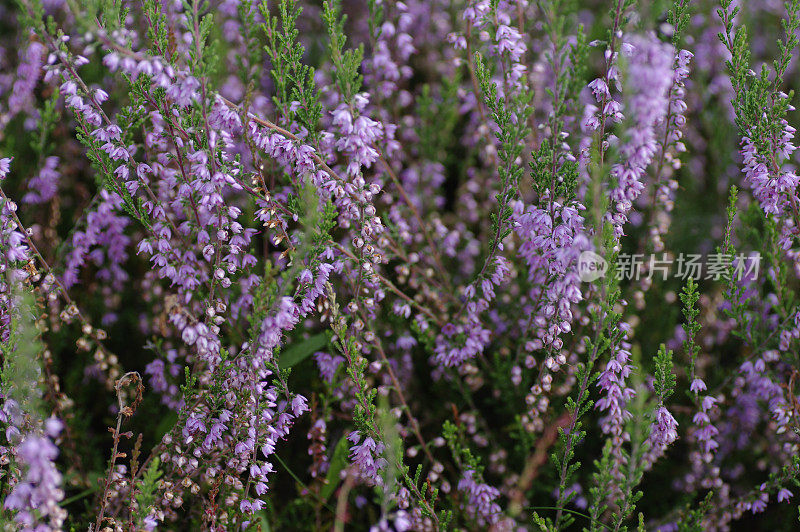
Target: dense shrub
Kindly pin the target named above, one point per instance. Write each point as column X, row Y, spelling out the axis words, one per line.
column 421, row 265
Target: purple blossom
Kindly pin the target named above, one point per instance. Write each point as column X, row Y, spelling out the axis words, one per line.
column 367, row 455
column 5, row 167
column 36, row 497
column 214, row 180
column 649, row 80
column 103, row 242
column 697, row 385
column 663, row 431
column 328, row 364
column 44, row 185
column 616, row 393
column 359, row 135
column 28, row 73
column 480, row 499
column 770, row 187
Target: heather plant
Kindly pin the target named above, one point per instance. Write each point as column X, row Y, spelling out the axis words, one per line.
column 419, row 265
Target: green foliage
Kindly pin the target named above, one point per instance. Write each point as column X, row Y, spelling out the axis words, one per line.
column 347, row 345
column 438, row 118
column 33, row 16
column 298, row 352
column 620, row 14
column 678, row 17
column 790, row 25
column 337, row 464
column 346, row 62
column 200, row 27
column 734, row 292
column 568, row 441
column 567, row 57
column 456, row 440
column 393, row 452
column 606, row 319
column 511, row 118
column 759, row 106
column 693, row 520
column 664, row 383
column 48, row 119
column 325, row 222
column 147, row 489
column 549, row 179
column 376, row 11
column 691, row 326
column 262, row 299
column 601, row 487
column 21, row 369
column 158, row 30
column 294, row 80
column 607, row 334
column 250, row 63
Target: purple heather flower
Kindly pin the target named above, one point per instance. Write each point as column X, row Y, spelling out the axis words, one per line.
column 367, row 455
column 648, row 81
column 299, row 405
column 5, row 167
column 616, row 393
column 551, row 249
column 510, row 41
column 103, row 242
column 760, row 504
column 328, row 364
column 44, row 185
column 37, row 495
column 663, row 432
column 769, row 188
column 28, row 72
column 697, row 385
column 481, row 499
column 359, row 135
